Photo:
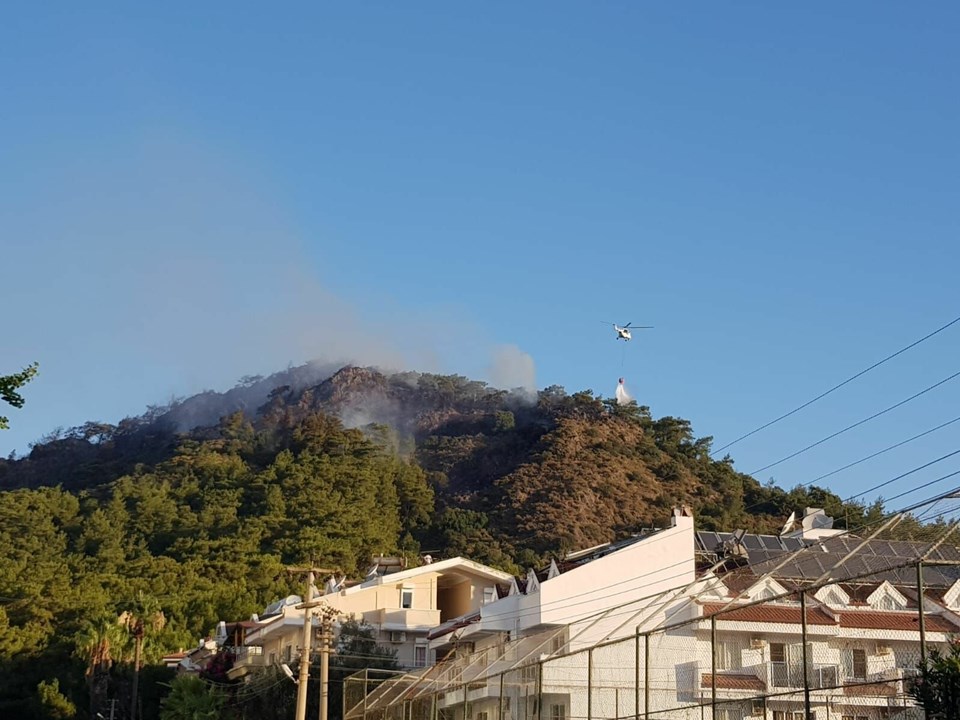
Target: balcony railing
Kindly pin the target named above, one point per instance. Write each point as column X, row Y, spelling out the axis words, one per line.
column 790, row 675
column 247, row 655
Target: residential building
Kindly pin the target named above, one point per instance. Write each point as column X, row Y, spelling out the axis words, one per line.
column 400, row 604
column 679, row 623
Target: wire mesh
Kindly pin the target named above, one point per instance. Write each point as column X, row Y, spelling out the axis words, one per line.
column 831, row 629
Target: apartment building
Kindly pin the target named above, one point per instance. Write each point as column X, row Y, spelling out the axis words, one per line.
column 685, row 624
column 401, row 605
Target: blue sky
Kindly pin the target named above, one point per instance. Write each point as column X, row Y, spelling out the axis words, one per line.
column 190, row 194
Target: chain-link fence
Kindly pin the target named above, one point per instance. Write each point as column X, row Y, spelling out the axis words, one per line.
column 835, row 630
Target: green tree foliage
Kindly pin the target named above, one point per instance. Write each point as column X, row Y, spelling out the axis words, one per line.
column 100, row 643
column 937, row 689
column 267, row 695
column 10, row 384
column 202, row 523
column 190, row 698
column 356, row 649
column 54, row 704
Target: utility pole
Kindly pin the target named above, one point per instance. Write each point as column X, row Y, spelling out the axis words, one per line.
column 305, row 649
column 307, row 606
column 327, row 614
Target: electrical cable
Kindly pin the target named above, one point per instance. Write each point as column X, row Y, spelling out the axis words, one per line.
column 857, row 424
column 839, row 385
column 880, row 452
column 900, row 477
column 861, row 460
column 563, row 604
column 934, row 500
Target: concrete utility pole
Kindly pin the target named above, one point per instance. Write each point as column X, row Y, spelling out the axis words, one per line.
column 327, row 614
column 305, row 649
column 307, row 606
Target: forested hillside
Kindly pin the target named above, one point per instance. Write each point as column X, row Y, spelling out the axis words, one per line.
column 201, row 521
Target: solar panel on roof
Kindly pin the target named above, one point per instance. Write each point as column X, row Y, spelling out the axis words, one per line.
column 752, row 542
column 710, row 540
column 771, row 542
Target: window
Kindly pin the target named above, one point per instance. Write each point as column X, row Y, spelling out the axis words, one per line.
column 420, row 656
column 859, row 663
column 557, row 642
column 528, row 673
column 728, row 655
column 489, row 595
column 406, row 598
column 729, row 712
column 888, row 603
column 855, row 664
column 558, row 712
column 778, row 652
column 481, row 715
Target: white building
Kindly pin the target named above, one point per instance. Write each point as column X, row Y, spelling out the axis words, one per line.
column 631, row 628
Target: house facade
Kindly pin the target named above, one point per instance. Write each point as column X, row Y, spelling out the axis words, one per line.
column 685, row 624
column 401, row 605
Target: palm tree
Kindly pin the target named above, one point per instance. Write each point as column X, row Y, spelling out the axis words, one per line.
column 140, row 616
column 100, row 643
column 190, row 698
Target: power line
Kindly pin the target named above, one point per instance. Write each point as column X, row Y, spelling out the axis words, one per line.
column 665, row 599
column 881, row 452
column 862, row 460
column 857, row 424
column 928, row 484
column 565, row 604
column 900, row 477
column 838, row 386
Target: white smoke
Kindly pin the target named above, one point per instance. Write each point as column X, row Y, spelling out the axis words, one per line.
column 513, row 369
column 623, row 397
column 190, row 274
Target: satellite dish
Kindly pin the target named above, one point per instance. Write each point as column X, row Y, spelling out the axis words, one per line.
column 788, row 525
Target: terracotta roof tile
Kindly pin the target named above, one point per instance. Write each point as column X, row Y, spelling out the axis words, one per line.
column 768, row 614
column 882, row 620
column 734, row 682
column 872, row 690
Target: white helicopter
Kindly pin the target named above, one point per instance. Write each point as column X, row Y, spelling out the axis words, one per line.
column 623, row 333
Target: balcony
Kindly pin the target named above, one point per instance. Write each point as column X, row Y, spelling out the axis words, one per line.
column 403, row 618
column 245, row 659
column 881, row 686
column 790, row 675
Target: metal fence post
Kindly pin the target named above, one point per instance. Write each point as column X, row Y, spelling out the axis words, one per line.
column 646, row 676
column 500, row 702
column 636, row 673
column 540, row 690
column 803, row 654
column 366, row 691
column 922, row 626
column 713, row 667
column 590, row 684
